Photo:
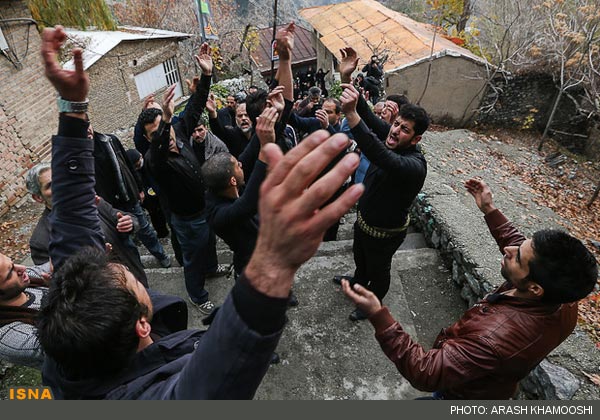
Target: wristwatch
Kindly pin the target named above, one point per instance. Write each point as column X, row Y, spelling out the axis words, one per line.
column 71, row 106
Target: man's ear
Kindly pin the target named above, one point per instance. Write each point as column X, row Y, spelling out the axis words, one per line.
column 37, row 198
column 142, row 327
column 535, row 289
column 233, row 181
column 415, row 140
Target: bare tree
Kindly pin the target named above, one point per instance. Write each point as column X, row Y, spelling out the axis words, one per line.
column 571, row 29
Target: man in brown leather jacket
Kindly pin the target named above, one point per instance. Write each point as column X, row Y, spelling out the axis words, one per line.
column 502, row 338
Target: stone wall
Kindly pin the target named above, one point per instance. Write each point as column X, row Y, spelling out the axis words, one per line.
column 27, row 106
column 525, row 101
column 114, row 100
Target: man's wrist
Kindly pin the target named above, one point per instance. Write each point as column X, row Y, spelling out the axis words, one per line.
column 269, row 279
column 353, row 118
column 487, row 209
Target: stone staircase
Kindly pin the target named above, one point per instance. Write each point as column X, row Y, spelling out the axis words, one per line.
column 323, row 354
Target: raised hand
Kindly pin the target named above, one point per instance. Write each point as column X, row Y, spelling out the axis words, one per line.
column 276, row 100
column 364, row 299
column 284, row 41
column 211, row 106
column 71, row 85
column 192, row 84
column 204, row 59
column 348, row 63
column 169, row 103
column 482, row 195
column 265, row 126
column 292, row 226
column 323, row 118
column 349, row 98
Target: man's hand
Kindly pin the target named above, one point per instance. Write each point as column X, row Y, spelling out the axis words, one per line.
column 482, row 195
column 169, row 103
column 284, row 41
column 71, row 85
column 211, row 106
column 265, row 126
column 204, row 59
column 323, row 118
column 348, row 63
column 192, row 84
column 292, row 220
column 364, row 299
column 276, row 100
column 349, row 99
column 124, row 223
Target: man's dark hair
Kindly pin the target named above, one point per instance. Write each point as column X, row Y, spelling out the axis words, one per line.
column 399, row 99
column 147, row 116
column 563, row 266
column 87, row 321
column 338, row 105
column 314, row 91
column 217, row 171
column 417, row 115
column 255, row 104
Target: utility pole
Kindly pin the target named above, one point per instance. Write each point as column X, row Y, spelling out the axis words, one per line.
column 273, row 40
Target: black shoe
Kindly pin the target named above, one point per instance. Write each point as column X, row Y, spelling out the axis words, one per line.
column 338, row 279
column 357, row 315
column 292, row 300
column 275, row 358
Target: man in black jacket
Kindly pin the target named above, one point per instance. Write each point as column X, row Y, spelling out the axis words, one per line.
column 117, row 184
column 394, row 178
column 177, row 171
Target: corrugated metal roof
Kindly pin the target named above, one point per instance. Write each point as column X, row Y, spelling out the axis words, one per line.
column 303, row 48
column 359, row 23
column 99, row 43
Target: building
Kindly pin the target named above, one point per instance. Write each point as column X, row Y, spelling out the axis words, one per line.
column 449, row 82
column 28, row 111
column 124, row 67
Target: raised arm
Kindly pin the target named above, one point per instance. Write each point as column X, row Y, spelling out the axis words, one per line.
column 503, row 231
column 285, row 45
column 74, row 218
column 197, row 101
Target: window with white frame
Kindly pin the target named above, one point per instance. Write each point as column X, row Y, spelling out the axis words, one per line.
column 159, row 77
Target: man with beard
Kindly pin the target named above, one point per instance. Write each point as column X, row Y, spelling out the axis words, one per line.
column 21, row 292
column 394, row 178
column 502, row 338
column 236, row 138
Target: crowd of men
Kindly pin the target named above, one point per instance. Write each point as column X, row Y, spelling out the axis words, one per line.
column 272, row 178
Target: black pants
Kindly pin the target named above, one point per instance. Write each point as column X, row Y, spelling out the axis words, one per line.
column 373, row 259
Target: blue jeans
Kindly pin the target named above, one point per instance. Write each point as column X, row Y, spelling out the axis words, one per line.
column 146, row 232
column 198, row 247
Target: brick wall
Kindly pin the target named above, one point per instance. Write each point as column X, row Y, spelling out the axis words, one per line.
column 114, row 100
column 28, row 113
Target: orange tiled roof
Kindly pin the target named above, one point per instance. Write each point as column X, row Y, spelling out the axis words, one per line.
column 355, row 22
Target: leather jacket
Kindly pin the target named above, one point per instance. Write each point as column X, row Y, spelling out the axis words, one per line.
column 495, row 344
